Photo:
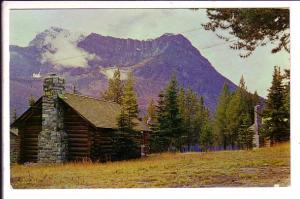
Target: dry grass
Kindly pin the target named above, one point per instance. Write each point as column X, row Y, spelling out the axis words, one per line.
column 261, row 167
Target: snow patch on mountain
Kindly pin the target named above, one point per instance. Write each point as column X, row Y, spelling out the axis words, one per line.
column 109, row 72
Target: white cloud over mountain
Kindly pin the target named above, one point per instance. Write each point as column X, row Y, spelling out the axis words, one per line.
column 60, row 48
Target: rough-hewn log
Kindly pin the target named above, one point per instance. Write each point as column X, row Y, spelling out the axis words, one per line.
column 79, row 149
column 30, row 139
column 84, row 140
column 29, row 146
column 78, row 136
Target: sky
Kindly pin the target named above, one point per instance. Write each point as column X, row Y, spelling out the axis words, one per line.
column 151, row 23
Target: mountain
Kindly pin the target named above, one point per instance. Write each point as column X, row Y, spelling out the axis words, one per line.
column 88, row 62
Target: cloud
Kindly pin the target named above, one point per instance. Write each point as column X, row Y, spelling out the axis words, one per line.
column 62, row 51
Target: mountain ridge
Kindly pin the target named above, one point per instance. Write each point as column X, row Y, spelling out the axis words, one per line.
column 152, row 61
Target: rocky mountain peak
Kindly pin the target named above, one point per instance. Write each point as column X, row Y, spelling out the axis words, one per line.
column 88, row 61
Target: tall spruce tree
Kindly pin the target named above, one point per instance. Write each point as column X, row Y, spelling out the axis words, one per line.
column 115, row 88
column 240, row 115
column 161, row 128
column 170, row 123
column 204, row 126
column 188, row 107
column 245, row 135
column 206, row 138
column 126, row 140
column 221, row 122
column 191, row 110
column 233, row 118
column 129, row 102
column 151, row 119
column 276, row 125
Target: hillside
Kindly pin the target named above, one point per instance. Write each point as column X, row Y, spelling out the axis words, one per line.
column 89, row 60
column 258, row 167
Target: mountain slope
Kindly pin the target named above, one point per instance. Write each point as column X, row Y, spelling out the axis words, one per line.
column 88, row 61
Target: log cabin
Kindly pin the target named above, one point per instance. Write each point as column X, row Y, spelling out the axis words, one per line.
column 63, row 127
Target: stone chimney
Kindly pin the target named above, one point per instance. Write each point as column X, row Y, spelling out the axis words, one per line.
column 257, row 125
column 52, row 141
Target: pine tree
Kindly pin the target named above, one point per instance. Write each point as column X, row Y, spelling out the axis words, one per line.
column 191, row 110
column 183, row 112
column 161, row 140
column 114, row 91
column 206, row 134
column 200, row 117
column 173, row 119
column 255, row 99
column 240, row 104
column 220, row 123
column 182, row 104
column 127, row 145
column 129, row 106
column 151, row 120
column 276, row 126
column 233, row 118
column 31, row 100
column 169, row 121
column 245, row 135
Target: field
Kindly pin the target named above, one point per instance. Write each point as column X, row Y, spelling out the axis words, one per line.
column 260, row 167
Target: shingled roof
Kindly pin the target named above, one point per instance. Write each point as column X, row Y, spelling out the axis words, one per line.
column 100, row 113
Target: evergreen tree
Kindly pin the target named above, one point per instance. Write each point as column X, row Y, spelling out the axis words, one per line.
column 169, row 121
column 196, row 127
column 276, row 125
column 31, row 100
column 182, row 104
column 126, row 140
column 255, row 99
column 251, row 27
column 245, row 135
column 206, row 134
column 220, row 123
column 173, row 120
column 191, row 113
column 114, row 91
column 129, row 101
column 151, row 120
column 161, row 138
column 204, row 126
column 241, row 104
column 188, row 107
column 233, row 118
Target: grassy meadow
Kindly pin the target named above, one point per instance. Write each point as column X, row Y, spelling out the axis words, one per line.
column 259, row 167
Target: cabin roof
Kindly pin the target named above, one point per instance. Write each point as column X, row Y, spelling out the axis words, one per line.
column 100, row 113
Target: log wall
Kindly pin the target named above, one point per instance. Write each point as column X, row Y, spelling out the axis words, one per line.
column 103, row 145
column 14, row 148
column 79, row 138
column 29, row 132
